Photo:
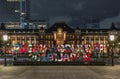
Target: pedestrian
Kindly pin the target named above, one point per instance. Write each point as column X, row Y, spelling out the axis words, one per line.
column 15, row 57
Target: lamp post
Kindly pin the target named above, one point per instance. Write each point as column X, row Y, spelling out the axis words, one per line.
column 119, row 48
column 108, row 49
column 112, row 38
column 119, row 43
column 5, row 38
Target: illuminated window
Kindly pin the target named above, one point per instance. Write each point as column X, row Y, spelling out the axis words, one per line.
column 91, row 32
column 52, row 42
column 23, row 37
column 32, row 31
column 13, row 42
column 23, row 31
column 14, row 31
column 41, row 36
column 73, row 42
column 23, row 42
column 73, row 36
column 28, row 32
column 82, row 37
column 19, row 32
column 87, row 31
column 46, row 36
column 49, row 42
column 60, row 30
column 49, row 37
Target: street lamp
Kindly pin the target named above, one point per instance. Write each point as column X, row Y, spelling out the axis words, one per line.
column 5, row 38
column 107, row 48
column 119, row 48
column 112, row 38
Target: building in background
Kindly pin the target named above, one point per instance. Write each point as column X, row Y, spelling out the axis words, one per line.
column 14, row 11
column 30, row 24
column 15, row 7
column 61, row 33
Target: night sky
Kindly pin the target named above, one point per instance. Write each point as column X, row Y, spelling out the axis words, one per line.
column 74, row 12
column 75, row 8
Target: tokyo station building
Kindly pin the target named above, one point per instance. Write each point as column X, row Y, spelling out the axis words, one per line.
column 60, row 33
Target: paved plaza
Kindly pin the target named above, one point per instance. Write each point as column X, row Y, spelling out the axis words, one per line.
column 60, row 72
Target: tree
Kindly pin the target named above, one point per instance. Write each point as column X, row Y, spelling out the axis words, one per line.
column 2, row 26
column 1, row 41
column 115, row 43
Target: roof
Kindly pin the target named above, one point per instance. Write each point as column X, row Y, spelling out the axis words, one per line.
column 62, row 25
column 113, row 27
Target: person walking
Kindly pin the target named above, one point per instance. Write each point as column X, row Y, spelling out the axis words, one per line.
column 15, row 57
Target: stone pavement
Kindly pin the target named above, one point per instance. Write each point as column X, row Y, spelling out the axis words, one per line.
column 108, row 72
column 60, row 72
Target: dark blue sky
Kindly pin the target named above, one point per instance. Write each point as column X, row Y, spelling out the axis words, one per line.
column 80, row 11
column 75, row 8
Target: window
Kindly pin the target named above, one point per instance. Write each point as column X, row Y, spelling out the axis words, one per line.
column 73, row 36
column 23, row 31
column 86, row 31
column 28, row 31
column 32, row 31
column 23, row 42
column 82, row 37
column 91, row 32
column 46, row 36
column 41, row 36
column 73, row 42
column 96, row 32
column 51, row 36
column 14, row 31
column 23, row 37
column 13, row 42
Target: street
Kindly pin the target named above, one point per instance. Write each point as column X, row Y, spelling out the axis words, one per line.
column 60, row 72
